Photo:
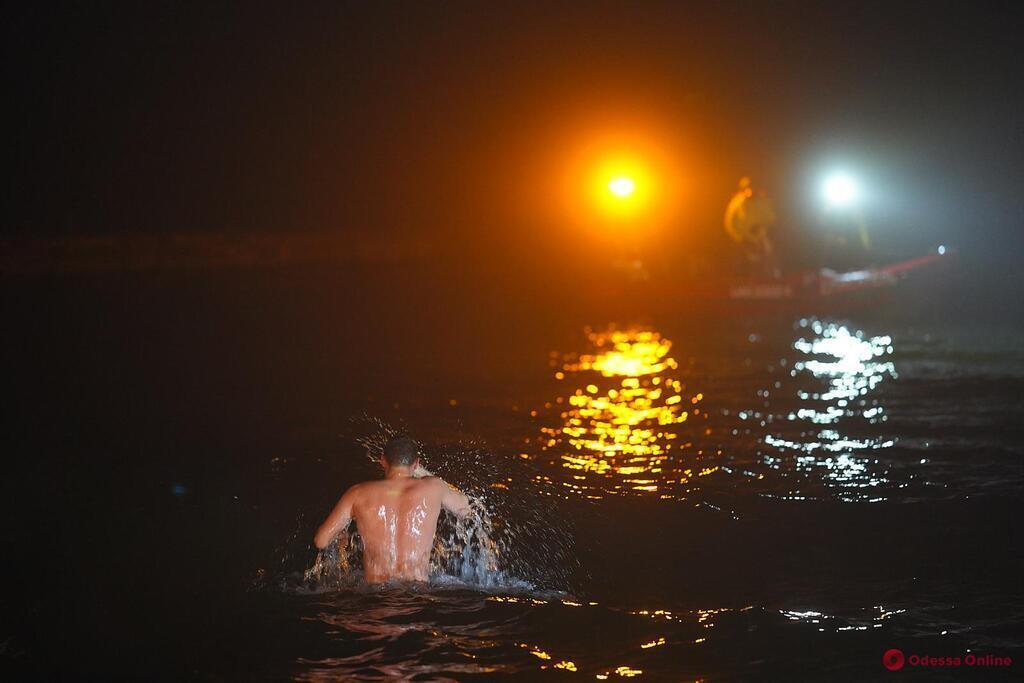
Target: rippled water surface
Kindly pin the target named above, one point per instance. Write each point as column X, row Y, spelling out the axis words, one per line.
column 657, row 498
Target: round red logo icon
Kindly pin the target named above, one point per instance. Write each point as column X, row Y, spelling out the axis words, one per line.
column 893, row 659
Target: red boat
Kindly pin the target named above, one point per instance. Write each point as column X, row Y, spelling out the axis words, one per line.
column 827, row 284
column 809, row 291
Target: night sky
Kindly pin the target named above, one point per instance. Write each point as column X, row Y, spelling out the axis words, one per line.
column 445, row 120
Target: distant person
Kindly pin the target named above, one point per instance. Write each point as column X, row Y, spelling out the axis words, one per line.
column 749, row 223
column 396, row 516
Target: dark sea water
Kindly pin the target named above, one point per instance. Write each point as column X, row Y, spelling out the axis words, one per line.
column 667, row 497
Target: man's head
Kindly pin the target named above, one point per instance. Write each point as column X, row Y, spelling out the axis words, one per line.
column 400, row 451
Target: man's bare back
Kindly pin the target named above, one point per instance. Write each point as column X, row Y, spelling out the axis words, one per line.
column 396, row 517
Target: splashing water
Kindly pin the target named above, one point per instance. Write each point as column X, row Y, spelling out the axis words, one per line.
column 467, row 550
column 491, row 547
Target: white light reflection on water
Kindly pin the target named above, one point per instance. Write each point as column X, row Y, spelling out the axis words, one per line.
column 865, row 620
column 838, row 372
column 853, row 365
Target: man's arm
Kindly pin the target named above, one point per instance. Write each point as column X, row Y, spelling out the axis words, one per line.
column 337, row 521
column 453, row 500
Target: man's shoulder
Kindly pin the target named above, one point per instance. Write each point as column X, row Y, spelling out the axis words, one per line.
column 355, row 489
column 430, row 483
column 374, row 484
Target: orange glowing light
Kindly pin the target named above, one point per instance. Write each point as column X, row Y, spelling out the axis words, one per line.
column 619, row 175
column 621, row 186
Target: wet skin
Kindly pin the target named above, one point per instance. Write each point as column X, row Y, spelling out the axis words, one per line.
column 396, row 517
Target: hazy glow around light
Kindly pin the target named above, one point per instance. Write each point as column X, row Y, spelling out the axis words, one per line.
column 840, row 190
column 621, row 186
column 619, row 177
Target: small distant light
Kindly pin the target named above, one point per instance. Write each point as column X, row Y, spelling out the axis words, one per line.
column 942, row 249
column 178, row 490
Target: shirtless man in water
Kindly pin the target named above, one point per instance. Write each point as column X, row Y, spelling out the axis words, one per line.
column 396, row 515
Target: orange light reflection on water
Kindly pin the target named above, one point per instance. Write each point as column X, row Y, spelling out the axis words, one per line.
column 622, row 418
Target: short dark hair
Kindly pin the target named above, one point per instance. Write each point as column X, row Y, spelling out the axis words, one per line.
column 401, row 451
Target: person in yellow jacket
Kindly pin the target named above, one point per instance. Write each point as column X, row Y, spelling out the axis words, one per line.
column 749, row 220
